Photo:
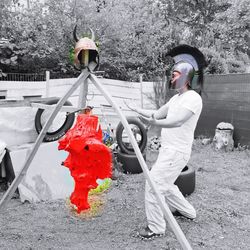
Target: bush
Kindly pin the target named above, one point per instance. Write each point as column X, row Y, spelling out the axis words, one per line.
column 216, row 63
column 235, row 66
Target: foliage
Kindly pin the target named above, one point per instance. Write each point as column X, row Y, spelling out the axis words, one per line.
column 38, row 35
column 216, row 63
column 133, row 35
column 236, row 66
column 104, row 185
column 9, row 54
column 234, row 35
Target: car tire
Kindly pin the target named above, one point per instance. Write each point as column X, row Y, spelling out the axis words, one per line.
column 130, row 163
column 54, row 135
column 143, row 133
column 186, row 181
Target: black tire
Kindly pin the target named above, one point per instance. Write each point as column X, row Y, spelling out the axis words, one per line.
column 55, row 135
column 186, row 181
column 130, row 163
column 127, row 148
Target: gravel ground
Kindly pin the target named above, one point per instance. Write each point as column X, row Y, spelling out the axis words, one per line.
column 221, row 199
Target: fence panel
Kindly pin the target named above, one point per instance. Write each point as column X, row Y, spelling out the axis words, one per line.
column 226, row 99
column 13, row 77
column 120, row 90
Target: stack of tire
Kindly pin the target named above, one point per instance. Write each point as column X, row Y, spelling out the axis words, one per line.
column 125, row 153
column 186, row 180
column 130, row 164
column 56, row 134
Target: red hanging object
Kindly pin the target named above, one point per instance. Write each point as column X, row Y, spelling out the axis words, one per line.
column 88, row 160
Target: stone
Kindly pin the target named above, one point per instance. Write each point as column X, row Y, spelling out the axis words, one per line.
column 223, row 139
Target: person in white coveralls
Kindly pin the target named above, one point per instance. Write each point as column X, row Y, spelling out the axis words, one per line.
column 178, row 119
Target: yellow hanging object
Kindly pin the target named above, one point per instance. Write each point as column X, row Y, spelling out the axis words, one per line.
column 85, row 58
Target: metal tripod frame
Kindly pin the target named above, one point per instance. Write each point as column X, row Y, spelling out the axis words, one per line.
column 86, row 74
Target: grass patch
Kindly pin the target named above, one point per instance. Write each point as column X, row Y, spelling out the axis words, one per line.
column 96, row 199
column 97, row 203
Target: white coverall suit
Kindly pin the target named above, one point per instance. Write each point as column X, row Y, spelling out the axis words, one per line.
column 173, row 156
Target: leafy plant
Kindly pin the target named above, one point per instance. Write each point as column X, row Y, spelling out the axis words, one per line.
column 103, row 186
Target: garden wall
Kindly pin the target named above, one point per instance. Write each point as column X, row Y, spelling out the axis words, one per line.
column 226, row 98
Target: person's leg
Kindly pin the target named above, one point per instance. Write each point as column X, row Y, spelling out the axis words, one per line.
column 164, row 173
column 176, row 200
column 154, row 214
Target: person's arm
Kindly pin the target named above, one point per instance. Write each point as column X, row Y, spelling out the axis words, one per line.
column 158, row 114
column 144, row 112
column 169, row 122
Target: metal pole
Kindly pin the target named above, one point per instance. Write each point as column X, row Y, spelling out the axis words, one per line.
column 140, row 79
column 83, row 92
column 84, row 88
column 8, row 194
column 164, row 207
column 47, row 83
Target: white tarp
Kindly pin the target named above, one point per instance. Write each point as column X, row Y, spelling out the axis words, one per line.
column 46, row 178
column 17, row 125
column 2, row 150
column 2, row 153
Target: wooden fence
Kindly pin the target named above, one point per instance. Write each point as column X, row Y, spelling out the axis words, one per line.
column 226, row 99
column 120, row 90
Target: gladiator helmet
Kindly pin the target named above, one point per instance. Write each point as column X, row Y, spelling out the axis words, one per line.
column 188, row 62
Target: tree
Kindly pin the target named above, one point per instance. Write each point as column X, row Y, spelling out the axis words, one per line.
column 221, row 28
column 235, row 35
column 133, row 35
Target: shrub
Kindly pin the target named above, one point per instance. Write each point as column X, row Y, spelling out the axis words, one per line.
column 216, row 63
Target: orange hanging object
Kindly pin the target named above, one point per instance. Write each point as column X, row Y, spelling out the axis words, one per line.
column 82, row 46
column 88, row 160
